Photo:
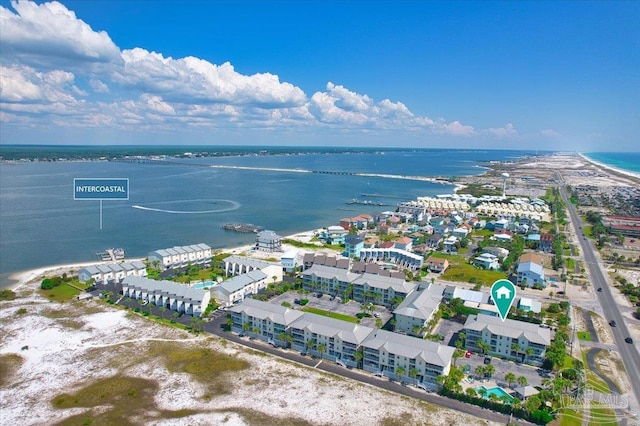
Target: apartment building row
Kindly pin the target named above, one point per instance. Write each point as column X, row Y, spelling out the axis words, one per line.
column 363, row 287
column 180, row 257
column 377, row 351
column 249, row 276
column 171, row 295
column 112, row 272
column 511, row 339
column 394, row 255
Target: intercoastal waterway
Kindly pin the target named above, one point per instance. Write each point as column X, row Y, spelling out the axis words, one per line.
column 41, row 224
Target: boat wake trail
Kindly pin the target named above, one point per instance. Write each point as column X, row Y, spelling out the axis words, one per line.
column 232, row 205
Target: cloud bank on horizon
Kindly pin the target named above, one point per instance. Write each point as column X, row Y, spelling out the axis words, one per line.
column 59, row 75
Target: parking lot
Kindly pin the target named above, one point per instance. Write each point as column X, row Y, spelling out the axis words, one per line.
column 449, row 330
column 325, row 303
column 533, row 374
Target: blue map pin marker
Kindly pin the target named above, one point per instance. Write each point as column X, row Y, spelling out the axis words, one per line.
column 503, row 293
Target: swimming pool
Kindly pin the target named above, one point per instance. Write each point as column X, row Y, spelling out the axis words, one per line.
column 200, row 286
column 497, row 391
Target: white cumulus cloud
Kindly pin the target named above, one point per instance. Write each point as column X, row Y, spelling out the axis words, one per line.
column 49, row 34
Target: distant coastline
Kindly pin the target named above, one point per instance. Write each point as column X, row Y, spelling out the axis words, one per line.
column 610, row 167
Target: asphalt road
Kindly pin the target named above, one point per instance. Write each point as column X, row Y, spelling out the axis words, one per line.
column 628, row 352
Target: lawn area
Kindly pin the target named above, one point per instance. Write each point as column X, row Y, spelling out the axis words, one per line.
column 570, row 417
column 584, row 335
column 202, row 275
column 571, row 264
column 588, row 230
column 334, row 315
column 482, row 233
column 61, row 293
column 601, row 415
column 593, row 381
column 460, row 270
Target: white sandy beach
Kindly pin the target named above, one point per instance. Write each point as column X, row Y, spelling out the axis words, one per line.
column 74, row 344
column 611, row 168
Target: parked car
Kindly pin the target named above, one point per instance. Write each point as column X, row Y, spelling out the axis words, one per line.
column 612, row 323
column 341, row 363
column 600, row 289
column 628, row 339
column 467, row 354
column 487, row 360
column 378, row 374
column 420, row 385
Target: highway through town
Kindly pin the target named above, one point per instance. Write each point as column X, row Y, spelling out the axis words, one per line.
column 628, row 352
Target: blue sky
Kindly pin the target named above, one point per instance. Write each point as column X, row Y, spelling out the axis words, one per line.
column 548, row 75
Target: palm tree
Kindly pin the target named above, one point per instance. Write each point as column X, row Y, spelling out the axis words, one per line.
column 516, row 348
column 358, row 355
column 482, row 392
column 400, row 370
column 522, row 381
column 162, row 309
column 489, row 370
column 310, row 344
column 472, row 392
column 286, row 338
column 510, row 378
column 483, row 347
column 505, row 398
column 246, row 327
column 176, row 315
column 528, row 353
column 413, row 373
column 229, row 323
column 493, row 397
column 322, row 348
column 457, row 354
column 480, row 370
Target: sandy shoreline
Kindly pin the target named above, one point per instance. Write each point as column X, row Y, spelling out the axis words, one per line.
column 610, row 168
column 24, row 277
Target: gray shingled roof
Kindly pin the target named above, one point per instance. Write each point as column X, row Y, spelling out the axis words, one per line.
column 330, row 273
column 325, row 326
column 241, row 281
column 172, row 288
column 410, row 347
column 248, row 261
column 509, row 328
column 379, row 281
column 263, row 310
column 421, row 303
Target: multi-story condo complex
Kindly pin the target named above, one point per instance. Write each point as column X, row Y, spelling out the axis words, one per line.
column 180, row 257
column 518, row 340
column 398, row 256
column 344, row 342
column 112, row 272
column 363, row 288
column 171, row 295
column 417, row 309
column 398, row 356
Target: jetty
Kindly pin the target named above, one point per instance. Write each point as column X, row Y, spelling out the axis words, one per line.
column 242, row 227
column 111, row 254
column 366, row 202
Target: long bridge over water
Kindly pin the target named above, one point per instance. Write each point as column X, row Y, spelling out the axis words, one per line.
column 169, row 162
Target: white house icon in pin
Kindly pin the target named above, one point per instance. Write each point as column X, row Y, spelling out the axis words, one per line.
column 503, row 293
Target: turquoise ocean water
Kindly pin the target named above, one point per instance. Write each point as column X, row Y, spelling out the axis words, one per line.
column 629, row 161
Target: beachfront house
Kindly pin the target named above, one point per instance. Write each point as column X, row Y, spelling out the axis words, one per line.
column 180, row 257
column 509, row 339
column 174, row 296
column 268, row 241
column 334, row 234
column 405, row 358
